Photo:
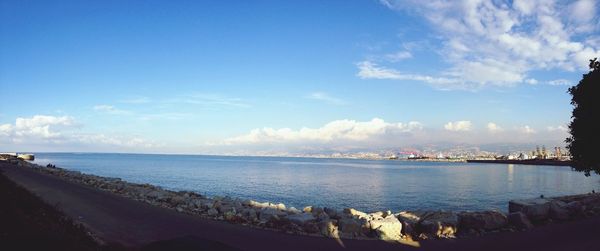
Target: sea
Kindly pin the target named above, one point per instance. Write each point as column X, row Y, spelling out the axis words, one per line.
column 366, row 185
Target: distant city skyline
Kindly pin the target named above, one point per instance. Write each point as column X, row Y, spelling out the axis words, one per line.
column 237, row 77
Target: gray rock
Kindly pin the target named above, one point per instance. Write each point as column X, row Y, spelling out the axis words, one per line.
column 388, row 228
column 300, row 219
column 536, row 209
column 212, row 212
column 559, row 210
column 269, row 214
column 355, row 213
column 519, row 220
column 294, row 210
column 575, row 208
column 486, row 220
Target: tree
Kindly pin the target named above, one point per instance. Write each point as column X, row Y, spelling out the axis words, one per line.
column 585, row 122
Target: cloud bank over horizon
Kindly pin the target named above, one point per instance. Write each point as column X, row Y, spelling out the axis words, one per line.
column 64, row 133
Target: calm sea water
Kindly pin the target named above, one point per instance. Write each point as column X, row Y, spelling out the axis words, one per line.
column 367, row 185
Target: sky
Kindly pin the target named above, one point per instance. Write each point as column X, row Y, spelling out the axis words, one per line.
column 265, row 77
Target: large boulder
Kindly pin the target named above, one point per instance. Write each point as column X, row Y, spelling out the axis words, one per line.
column 519, row 220
column 410, row 220
column 575, row 208
column 355, row 213
column 559, row 210
column 300, row 219
column 486, row 220
column 388, row 228
column 535, row 209
column 440, row 224
column 349, row 225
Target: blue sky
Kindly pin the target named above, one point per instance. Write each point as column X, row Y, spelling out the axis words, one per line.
column 251, row 77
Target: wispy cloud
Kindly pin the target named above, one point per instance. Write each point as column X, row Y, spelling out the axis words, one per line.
column 210, row 100
column 109, row 109
column 398, row 56
column 321, row 96
column 136, row 100
column 500, row 43
column 370, row 70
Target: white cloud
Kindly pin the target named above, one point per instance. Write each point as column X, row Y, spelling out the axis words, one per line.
column 583, row 10
column 338, row 130
column 398, row 56
column 559, row 128
column 527, row 130
column 499, row 43
column 458, row 126
column 494, row 128
column 321, row 96
column 560, row 82
column 109, row 109
column 63, row 130
column 531, row 81
column 370, row 70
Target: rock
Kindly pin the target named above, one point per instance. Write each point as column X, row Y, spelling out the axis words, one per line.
column 348, row 225
column 294, row 210
column 311, row 227
column 229, row 215
column 250, row 214
column 575, row 208
column 307, row 209
column 269, row 214
column 329, row 229
column 212, row 212
column 559, row 210
column 332, row 213
column 316, row 211
column 176, row 200
column 376, row 215
column 440, row 224
column 355, row 213
column 486, row 220
column 536, row 209
column 519, row 220
column 156, row 194
column 409, row 221
column 388, row 228
column 280, row 206
column 300, row 219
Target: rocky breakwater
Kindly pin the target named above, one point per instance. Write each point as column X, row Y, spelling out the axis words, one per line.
column 347, row 223
column 524, row 214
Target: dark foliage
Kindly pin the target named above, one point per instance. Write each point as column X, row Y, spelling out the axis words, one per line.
column 585, row 123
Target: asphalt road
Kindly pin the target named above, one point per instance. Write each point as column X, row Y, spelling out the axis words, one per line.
column 135, row 224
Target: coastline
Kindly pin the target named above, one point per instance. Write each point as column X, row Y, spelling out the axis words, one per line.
column 347, row 223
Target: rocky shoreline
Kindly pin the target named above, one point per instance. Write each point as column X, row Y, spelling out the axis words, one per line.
column 347, row 223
